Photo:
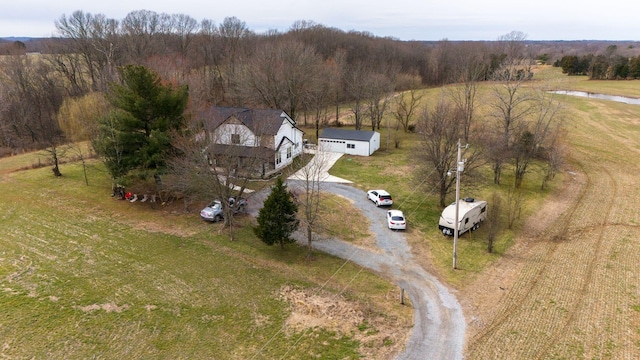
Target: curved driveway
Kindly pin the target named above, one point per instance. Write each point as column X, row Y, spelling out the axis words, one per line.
column 439, row 325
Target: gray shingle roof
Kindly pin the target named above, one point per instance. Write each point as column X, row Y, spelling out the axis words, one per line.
column 345, row 134
column 260, row 121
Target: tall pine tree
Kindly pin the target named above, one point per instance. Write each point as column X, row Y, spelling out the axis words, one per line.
column 135, row 135
column 277, row 218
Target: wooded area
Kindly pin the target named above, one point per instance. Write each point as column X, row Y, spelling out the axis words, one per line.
column 310, row 72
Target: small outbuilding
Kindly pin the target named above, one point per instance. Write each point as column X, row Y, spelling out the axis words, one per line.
column 352, row 142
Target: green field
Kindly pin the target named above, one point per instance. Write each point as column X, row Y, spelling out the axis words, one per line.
column 86, row 276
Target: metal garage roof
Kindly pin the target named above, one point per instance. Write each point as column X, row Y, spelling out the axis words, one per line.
column 345, row 134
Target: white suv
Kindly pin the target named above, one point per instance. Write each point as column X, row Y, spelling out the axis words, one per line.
column 380, row 197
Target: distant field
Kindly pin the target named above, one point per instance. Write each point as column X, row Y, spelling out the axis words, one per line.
column 87, row 276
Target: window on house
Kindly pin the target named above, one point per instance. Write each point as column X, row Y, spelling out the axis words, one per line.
column 351, row 146
column 235, row 138
column 289, row 153
column 278, row 158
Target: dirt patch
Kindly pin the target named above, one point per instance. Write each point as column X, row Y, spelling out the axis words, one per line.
column 163, row 228
column 378, row 335
column 109, row 307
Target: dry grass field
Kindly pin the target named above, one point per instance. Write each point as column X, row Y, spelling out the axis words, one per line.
column 86, row 276
column 570, row 286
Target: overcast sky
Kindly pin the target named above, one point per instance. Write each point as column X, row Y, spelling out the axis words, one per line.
column 400, row 19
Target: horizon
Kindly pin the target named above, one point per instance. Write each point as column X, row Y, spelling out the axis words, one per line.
column 404, row 20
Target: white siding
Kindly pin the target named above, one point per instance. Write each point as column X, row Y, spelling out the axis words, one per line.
column 286, row 154
column 288, row 131
column 360, row 148
column 225, row 133
column 332, row 145
column 374, row 143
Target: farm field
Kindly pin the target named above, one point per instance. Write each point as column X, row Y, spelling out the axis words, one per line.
column 571, row 290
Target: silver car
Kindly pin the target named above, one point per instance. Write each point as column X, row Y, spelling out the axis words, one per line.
column 213, row 212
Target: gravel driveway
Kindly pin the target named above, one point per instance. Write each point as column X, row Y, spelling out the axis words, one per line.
column 439, row 325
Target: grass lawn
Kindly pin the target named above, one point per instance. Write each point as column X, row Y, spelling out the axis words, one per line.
column 419, row 202
column 86, row 276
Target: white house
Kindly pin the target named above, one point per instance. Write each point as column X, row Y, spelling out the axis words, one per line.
column 352, row 142
column 268, row 135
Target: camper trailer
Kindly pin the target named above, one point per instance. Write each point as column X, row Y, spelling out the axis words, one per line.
column 471, row 213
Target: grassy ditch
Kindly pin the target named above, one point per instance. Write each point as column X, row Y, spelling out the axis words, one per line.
column 86, row 276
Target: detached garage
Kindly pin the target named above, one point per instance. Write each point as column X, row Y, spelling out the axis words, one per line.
column 352, row 142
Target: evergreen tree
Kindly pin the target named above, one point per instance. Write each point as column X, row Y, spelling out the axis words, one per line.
column 277, row 218
column 135, row 135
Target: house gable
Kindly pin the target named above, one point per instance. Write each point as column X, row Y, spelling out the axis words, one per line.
column 271, row 131
column 234, row 132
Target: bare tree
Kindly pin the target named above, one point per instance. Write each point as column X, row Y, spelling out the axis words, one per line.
column 509, row 108
column 36, row 95
column 217, row 161
column 357, row 93
column 233, row 39
column 281, row 75
column 379, row 90
column 554, row 154
column 320, row 96
column 440, row 130
column 88, row 57
column 209, row 78
column 308, row 191
column 492, row 222
column 140, row 28
column 183, row 27
column 513, row 45
column 515, row 203
column 535, row 133
column 406, row 107
column 469, row 71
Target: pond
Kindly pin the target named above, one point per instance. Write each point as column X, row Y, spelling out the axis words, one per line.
column 623, row 99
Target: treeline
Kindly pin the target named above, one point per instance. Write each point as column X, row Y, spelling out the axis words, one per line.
column 306, row 70
column 311, row 71
column 607, row 66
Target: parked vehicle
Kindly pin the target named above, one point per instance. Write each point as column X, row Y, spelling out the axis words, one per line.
column 396, row 220
column 471, row 213
column 380, row 197
column 238, row 205
column 213, row 212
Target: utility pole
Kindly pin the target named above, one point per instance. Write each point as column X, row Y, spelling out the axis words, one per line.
column 459, row 169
